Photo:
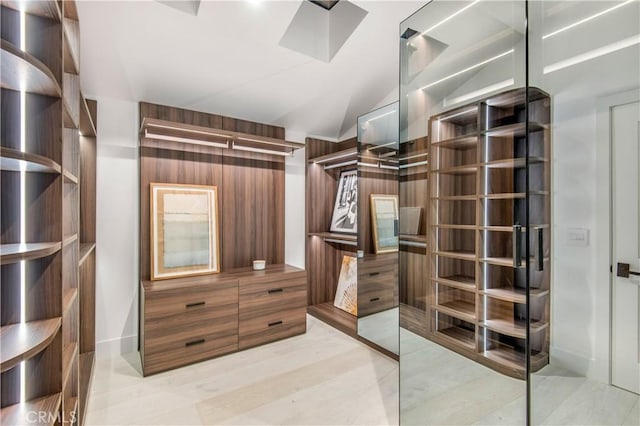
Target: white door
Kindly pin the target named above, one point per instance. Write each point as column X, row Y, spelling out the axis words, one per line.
column 625, row 137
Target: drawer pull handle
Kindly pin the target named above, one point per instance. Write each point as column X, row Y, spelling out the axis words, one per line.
column 272, row 324
column 375, row 299
column 275, row 290
column 194, row 342
column 374, row 274
column 193, row 305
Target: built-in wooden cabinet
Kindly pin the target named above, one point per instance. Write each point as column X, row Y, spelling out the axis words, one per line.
column 186, row 320
column 481, row 199
column 45, row 170
column 377, row 275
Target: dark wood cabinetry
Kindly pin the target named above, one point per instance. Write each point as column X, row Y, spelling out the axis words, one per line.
column 377, row 278
column 186, row 320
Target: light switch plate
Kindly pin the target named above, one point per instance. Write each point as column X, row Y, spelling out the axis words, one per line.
column 577, row 237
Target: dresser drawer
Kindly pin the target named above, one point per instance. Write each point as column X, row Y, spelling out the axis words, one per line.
column 219, row 320
column 275, row 297
column 271, row 283
column 377, row 280
column 372, row 302
column 187, row 351
column 273, row 326
column 168, row 303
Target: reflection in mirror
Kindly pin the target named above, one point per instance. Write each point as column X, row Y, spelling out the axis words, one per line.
column 462, row 345
column 586, row 56
column 378, row 227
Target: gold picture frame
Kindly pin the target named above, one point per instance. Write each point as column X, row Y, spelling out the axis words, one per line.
column 384, row 222
column 184, row 229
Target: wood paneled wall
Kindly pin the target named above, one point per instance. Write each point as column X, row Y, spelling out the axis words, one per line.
column 250, row 186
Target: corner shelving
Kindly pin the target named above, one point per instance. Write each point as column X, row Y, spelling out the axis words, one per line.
column 21, row 341
column 47, row 407
column 41, row 326
column 11, row 253
column 325, row 250
column 23, row 71
column 14, row 160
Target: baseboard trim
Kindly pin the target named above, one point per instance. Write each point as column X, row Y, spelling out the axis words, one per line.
column 118, row 346
column 579, row 364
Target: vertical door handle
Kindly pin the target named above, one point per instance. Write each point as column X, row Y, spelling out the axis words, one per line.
column 539, row 236
column 517, row 239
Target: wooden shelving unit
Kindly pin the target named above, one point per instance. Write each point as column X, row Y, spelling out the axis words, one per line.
column 479, row 159
column 325, row 250
column 44, row 164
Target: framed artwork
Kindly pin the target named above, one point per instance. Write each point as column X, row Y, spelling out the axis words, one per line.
column 345, row 209
column 347, row 292
column 410, row 220
column 384, row 221
column 185, row 238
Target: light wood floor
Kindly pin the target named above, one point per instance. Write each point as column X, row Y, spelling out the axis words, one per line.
column 440, row 387
column 321, row 378
column 327, row 378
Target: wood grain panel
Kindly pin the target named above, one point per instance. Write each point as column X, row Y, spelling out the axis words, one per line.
column 42, row 372
column 10, row 387
column 88, row 156
column 272, row 326
column 87, row 289
column 180, row 354
column 10, row 211
column 43, row 288
column 377, row 283
column 164, row 166
column 413, row 277
column 250, row 185
column 335, row 317
column 182, row 300
column 252, row 200
column 50, row 53
column 414, row 320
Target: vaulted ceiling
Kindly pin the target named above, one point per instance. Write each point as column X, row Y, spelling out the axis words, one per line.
column 227, row 57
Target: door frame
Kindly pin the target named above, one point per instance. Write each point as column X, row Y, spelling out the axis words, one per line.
column 602, row 362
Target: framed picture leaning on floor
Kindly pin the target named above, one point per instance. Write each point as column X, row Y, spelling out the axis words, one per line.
column 345, row 209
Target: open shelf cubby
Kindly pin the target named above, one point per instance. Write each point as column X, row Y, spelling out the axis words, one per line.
column 489, row 162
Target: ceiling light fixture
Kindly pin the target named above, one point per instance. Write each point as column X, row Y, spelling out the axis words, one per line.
column 472, row 67
column 592, row 54
column 582, row 21
column 449, row 17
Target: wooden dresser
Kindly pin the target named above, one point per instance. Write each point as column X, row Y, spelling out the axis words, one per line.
column 187, row 320
column 377, row 278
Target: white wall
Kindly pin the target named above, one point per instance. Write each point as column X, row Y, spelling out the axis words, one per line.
column 117, row 224
column 294, row 207
column 117, row 228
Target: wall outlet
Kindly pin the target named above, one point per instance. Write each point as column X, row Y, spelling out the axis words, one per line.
column 577, row 237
